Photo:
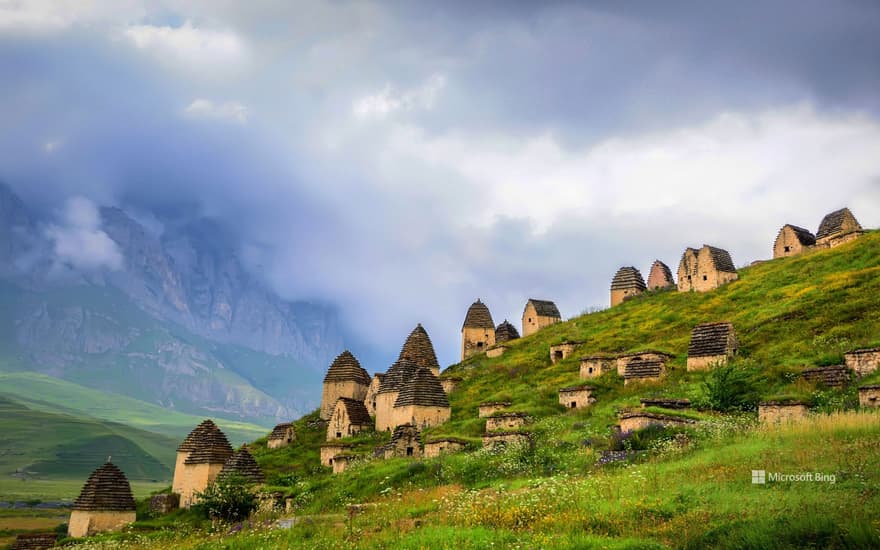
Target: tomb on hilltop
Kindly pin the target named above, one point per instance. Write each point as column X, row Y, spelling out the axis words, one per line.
column 627, row 282
column 421, row 401
column 242, row 464
column 837, row 228
column 863, row 361
column 344, row 378
column 712, row 344
column 781, row 412
column 660, row 276
column 792, row 240
column 644, row 369
column 491, row 407
column 705, row 269
column 539, row 314
column 444, row 445
column 505, row 332
column 104, row 504
column 836, row 376
column 562, row 351
column 869, row 396
column 329, row 451
column 577, row 397
column 210, row 450
column 506, row 421
column 478, row 330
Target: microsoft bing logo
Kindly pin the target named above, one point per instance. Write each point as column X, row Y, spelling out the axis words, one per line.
column 759, row 477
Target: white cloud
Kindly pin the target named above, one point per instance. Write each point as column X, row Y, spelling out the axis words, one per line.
column 390, row 100
column 188, row 45
column 79, row 241
column 228, row 110
column 57, row 15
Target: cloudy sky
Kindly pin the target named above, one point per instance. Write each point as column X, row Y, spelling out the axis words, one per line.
column 404, row 158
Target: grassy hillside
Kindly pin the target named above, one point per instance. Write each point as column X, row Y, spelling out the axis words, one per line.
column 53, row 395
column 686, row 487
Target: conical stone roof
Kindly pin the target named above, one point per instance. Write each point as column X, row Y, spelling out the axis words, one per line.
column 478, row 316
column 106, row 490
column 419, row 349
column 834, row 223
column 710, row 339
column 209, row 446
column 660, row 276
column 628, row 278
column 242, row 463
column 399, row 373
column 423, row 389
column 280, row 431
column 196, row 435
column 505, row 332
column 346, row 368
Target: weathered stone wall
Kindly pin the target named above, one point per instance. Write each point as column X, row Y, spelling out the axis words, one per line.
column 163, row 504
column 177, row 481
column 622, row 360
column 407, row 444
column 329, row 452
column 420, row 416
column 637, row 421
column 370, row 397
column 618, row 296
column 476, row 340
column 436, row 448
column 490, row 439
column 449, row 384
column 706, row 363
column 497, row 351
column 385, row 411
column 488, row 409
column 837, row 240
column 778, row 413
column 592, row 367
column 787, row 244
column 505, row 422
column 196, row 479
column 697, row 272
column 869, row 396
column 289, row 437
column 334, row 390
column 84, row 523
column 341, row 463
column 864, row 361
column 562, row 351
column 532, row 322
column 576, row 399
column 340, row 425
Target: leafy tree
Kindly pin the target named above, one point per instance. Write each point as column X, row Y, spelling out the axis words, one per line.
column 731, row 388
column 230, row 498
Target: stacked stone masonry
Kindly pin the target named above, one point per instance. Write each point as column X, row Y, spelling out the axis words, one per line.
column 863, row 361
column 665, row 403
column 837, row 228
column 164, row 503
column 627, row 282
column 242, row 465
column 34, row 541
column 491, row 407
column 506, row 421
column 282, row 435
column 637, row 420
column 478, row 330
column 641, row 369
column 563, row 351
column 104, row 504
column 869, row 396
column 495, row 351
column 449, row 383
column 712, row 344
column 505, row 332
column 577, row 397
column 330, row 450
column 539, row 314
column 406, row 441
column 597, row 365
column 660, row 277
column 792, row 240
column 705, row 269
column 349, row 417
column 438, row 447
column 780, row 412
column 836, row 376
column 344, row 378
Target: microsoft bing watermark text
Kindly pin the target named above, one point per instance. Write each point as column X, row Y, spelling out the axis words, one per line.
column 762, row 477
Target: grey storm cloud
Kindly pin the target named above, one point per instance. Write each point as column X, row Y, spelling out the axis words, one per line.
column 402, row 160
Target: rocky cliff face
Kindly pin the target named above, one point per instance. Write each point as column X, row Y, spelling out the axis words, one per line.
column 182, row 323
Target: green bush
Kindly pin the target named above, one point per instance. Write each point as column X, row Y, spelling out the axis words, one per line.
column 731, row 388
column 230, row 499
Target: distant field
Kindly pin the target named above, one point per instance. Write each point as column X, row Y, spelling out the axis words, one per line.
column 12, row 489
column 53, row 395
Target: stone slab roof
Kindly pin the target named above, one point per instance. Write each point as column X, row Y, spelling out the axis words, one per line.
column 861, row 351
column 492, row 435
column 495, row 403
column 419, row 349
column 478, row 316
column 804, row 236
column 628, row 278
column 835, row 376
column 644, row 368
column 544, row 308
column 785, row 403
column 720, row 259
column 210, row 447
column 336, row 445
column 34, row 541
column 870, row 387
column 280, row 431
column 448, row 440
column 242, row 463
column 646, row 352
column 581, row 387
column 189, row 443
column 660, row 275
column 356, row 411
column 656, row 416
column 399, row 373
column 346, row 368
column 509, row 414
column 505, row 332
column 710, row 339
column 106, row 490
column 833, row 223
column 665, row 403
column 423, row 389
